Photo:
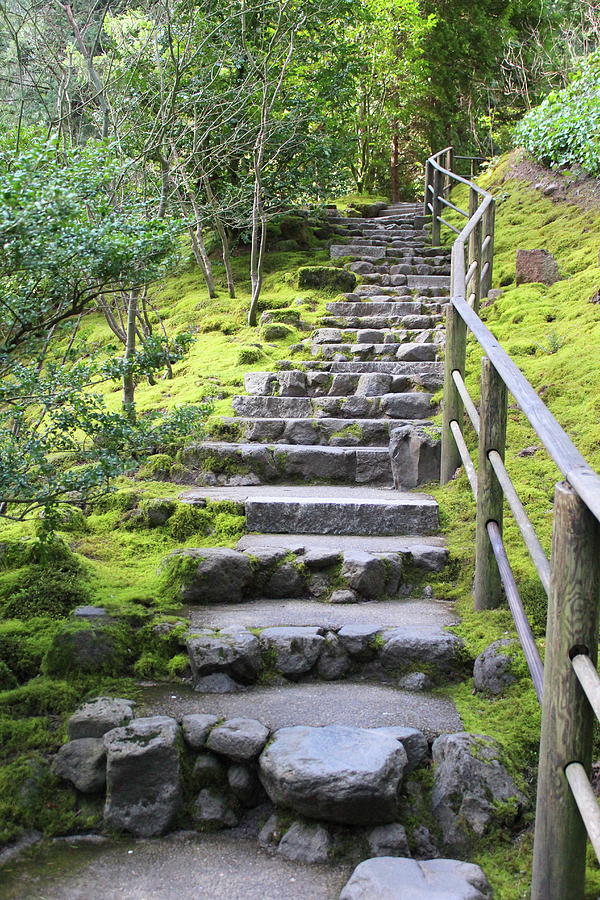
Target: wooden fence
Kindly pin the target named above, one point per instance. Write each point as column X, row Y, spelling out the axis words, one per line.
column 567, row 684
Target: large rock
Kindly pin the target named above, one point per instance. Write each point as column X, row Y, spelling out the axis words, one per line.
column 333, row 662
column 94, row 719
column 426, row 645
column 364, row 573
column 221, row 576
column 305, row 843
column 83, row 763
column 239, row 739
column 143, row 776
column 414, row 743
column 335, row 773
column 415, row 454
column 388, row 840
column 537, row 267
column 295, row 649
column 196, row 727
column 387, row 878
column 472, row 789
column 236, row 655
column 360, row 641
column 492, row 669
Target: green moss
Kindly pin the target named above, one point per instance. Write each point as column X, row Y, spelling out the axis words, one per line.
column 276, row 331
column 249, row 355
column 177, row 572
column 189, row 519
column 156, row 467
column 328, row 278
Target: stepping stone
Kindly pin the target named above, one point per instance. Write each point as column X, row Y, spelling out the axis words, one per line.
column 389, row 878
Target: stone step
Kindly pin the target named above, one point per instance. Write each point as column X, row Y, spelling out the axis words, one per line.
column 292, row 509
column 218, row 462
column 416, row 332
column 409, row 405
column 395, row 292
column 383, row 323
column 333, row 703
column 425, row 352
column 428, row 553
column 426, row 281
column 383, row 307
column 310, row 431
column 298, row 383
column 397, row 368
column 368, row 251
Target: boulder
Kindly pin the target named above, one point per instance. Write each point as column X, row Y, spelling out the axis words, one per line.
column 260, row 383
column 212, row 811
column 83, row 763
column 219, row 683
column 344, row 596
column 239, row 739
column 415, row 681
column 409, row 645
column 286, row 581
column 388, row 840
column 221, row 576
column 329, row 278
column 94, row 719
column 359, row 641
column 406, row 879
column 414, row 743
column 415, row 454
column 334, row 773
column 143, row 776
column 296, row 649
column 536, row 267
column 472, row 789
column 305, row 843
column 196, row 728
column 364, row 573
column 236, row 655
column 333, row 662
column 85, row 646
column 492, row 669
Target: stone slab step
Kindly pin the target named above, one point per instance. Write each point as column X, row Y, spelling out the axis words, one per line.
column 398, row 368
column 333, row 703
column 410, row 405
column 422, row 281
column 322, row 432
column 385, row 307
column 291, row 509
column 229, row 462
column 384, row 323
column 300, row 383
column 418, row 332
column 426, row 352
column 269, row 613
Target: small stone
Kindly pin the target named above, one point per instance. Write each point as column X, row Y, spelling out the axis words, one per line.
column 196, row 727
column 297, row 648
column 244, row 784
column 359, row 640
column 364, row 573
column 415, row 681
column 208, row 770
column 271, row 833
column 388, row 840
column 344, row 596
column 492, row 669
column 305, row 843
column 83, row 763
column 333, row 662
column 219, row 683
column 239, row 739
column 211, row 810
column 423, row 843
column 95, row 718
column 414, row 743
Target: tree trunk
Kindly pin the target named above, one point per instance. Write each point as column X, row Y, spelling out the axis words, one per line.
column 259, row 227
column 394, row 166
column 128, row 379
column 225, row 249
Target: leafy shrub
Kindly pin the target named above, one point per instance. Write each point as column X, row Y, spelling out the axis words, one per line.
column 565, row 128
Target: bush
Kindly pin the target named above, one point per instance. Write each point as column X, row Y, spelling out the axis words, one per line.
column 51, row 588
column 328, row 278
column 565, row 128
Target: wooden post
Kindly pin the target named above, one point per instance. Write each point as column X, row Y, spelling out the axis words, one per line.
column 428, row 195
column 449, row 164
column 567, row 718
column 437, row 207
column 487, row 588
column 487, row 255
column 473, row 291
column 452, row 407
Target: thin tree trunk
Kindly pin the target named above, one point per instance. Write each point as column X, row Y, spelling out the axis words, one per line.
column 201, row 257
column 258, row 229
column 222, row 234
column 394, row 166
column 128, row 379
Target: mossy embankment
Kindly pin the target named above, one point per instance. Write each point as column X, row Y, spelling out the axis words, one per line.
column 553, row 334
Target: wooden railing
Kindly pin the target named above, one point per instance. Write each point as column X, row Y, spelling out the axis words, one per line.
column 567, row 684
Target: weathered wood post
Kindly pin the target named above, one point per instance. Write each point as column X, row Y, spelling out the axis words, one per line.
column 452, row 407
column 567, row 718
column 487, row 588
column 436, row 207
column 428, row 184
column 487, row 255
column 473, row 291
column 448, row 164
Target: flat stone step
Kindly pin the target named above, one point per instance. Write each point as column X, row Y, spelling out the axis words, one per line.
column 274, row 613
column 311, row 431
column 426, row 352
column 383, row 323
column 398, row 368
column 229, row 462
column 421, row 281
column 324, row 509
column 419, row 333
column 409, row 405
column 333, row 703
column 302, row 383
column 386, row 307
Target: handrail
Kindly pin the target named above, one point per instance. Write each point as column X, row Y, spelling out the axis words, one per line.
column 567, row 684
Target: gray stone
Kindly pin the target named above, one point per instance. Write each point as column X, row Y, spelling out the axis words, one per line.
column 305, row 843
column 89, row 612
column 271, row 833
column 286, row 581
column 236, row 655
column 261, row 383
column 219, row 683
column 143, row 776
column 95, row 718
column 414, row 743
column 333, row 662
column 423, row 843
column 415, row 454
column 364, row 573
column 388, row 840
column 386, row 878
column 208, row 770
column 212, row 811
column 492, row 669
column 196, row 728
column 292, row 383
column 317, row 558
column 158, row 510
column 416, row 353
column 344, row 596
column 342, row 385
column 244, row 785
column 83, row 763
column 335, row 773
column 327, row 336
column 430, row 558
column 221, row 577
column 472, row 789
column 239, row 739
column 536, row 267
column 415, row 681
column 296, row 648
column 406, row 646
column 359, row 641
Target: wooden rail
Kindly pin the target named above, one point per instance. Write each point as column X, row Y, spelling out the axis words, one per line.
column 567, row 684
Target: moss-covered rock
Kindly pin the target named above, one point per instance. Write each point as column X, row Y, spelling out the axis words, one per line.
column 276, row 331
column 81, row 647
column 329, row 278
column 158, row 511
